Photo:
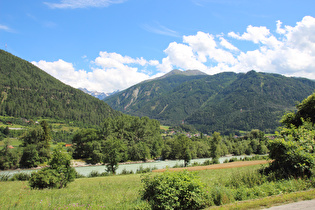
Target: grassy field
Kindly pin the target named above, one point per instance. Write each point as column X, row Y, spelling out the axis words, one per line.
column 14, row 142
column 122, row 192
column 164, row 127
column 119, row 192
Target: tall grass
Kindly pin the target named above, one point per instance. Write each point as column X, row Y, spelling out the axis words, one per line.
column 239, row 184
column 113, row 192
column 122, row 192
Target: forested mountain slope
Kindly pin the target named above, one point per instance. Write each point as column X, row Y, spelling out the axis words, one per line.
column 224, row 102
column 144, row 99
column 27, row 91
column 254, row 100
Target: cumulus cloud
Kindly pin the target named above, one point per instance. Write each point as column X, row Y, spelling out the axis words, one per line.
column 112, row 72
column 289, row 50
column 75, row 4
column 224, row 43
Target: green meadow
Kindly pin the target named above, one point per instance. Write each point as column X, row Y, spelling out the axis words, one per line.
column 223, row 186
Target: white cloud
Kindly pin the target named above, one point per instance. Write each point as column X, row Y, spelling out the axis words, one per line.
column 74, row 4
column 160, row 29
column 258, row 35
column 112, row 72
column 5, row 28
column 180, row 56
column 289, row 51
column 64, row 71
column 227, row 45
column 279, row 29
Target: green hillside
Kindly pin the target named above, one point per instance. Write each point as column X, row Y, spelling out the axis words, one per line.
column 27, row 91
column 225, row 102
column 133, row 99
column 254, row 101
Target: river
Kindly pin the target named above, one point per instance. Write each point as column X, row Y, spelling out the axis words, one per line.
column 86, row 170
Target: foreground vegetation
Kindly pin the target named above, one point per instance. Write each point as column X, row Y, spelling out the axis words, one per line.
column 123, row 192
column 121, row 138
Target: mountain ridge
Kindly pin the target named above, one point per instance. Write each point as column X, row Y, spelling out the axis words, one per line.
column 225, row 102
column 29, row 92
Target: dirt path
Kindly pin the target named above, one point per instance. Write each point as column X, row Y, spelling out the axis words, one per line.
column 218, row 166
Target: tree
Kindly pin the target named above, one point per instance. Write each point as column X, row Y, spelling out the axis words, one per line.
column 30, row 157
column 61, row 163
column 58, row 175
column 182, row 148
column 36, row 145
column 305, row 110
column 113, row 153
column 215, row 145
column 87, row 145
column 9, row 159
column 293, row 151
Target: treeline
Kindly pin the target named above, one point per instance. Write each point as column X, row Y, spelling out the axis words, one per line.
column 216, row 145
column 136, row 139
column 127, row 138
column 139, row 139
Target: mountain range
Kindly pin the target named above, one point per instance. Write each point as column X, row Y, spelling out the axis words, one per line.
column 29, row 92
column 226, row 102
column 96, row 94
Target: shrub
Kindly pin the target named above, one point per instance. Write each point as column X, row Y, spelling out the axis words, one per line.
column 142, row 170
column 221, row 195
column 58, row 175
column 177, row 190
column 293, row 152
column 215, row 161
column 207, row 162
column 247, row 179
column 94, row 174
column 78, row 175
column 4, row 177
column 125, row 171
column 20, row 177
column 45, row 178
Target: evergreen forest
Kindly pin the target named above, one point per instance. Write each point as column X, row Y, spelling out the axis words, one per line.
column 226, row 102
column 28, row 92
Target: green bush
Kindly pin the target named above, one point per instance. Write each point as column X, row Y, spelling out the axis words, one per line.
column 293, row 152
column 221, row 195
column 94, row 174
column 20, row 177
column 58, row 175
column 207, row 162
column 125, row 171
column 177, row 190
column 45, row 178
column 4, row 177
column 247, row 179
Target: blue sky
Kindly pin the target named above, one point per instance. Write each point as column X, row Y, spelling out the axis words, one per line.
column 108, row 45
